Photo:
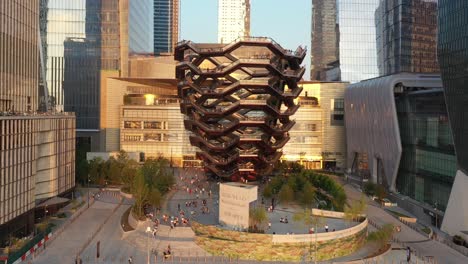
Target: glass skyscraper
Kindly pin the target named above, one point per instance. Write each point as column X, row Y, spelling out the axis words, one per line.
column 453, row 58
column 140, row 21
column 166, row 25
column 357, row 40
column 407, row 36
column 113, row 30
column 59, row 20
column 453, row 55
column 344, row 40
column 325, row 35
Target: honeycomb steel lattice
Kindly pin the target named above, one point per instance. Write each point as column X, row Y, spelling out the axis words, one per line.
column 238, row 99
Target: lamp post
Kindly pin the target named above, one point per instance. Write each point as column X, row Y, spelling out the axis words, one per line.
column 316, row 231
column 148, row 231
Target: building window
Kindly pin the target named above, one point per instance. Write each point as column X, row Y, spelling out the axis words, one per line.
column 152, row 125
column 338, row 104
column 132, row 124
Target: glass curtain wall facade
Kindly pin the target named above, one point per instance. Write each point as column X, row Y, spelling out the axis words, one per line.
column 453, row 56
column 59, row 20
column 407, row 36
column 140, row 30
column 428, row 164
column 166, row 25
column 325, row 38
column 357, row 40
column 81, row 81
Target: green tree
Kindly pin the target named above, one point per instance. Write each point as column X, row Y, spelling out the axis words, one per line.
column 158, row 174
column 369, row 188
column 128, row 174
column 268, row 192
column 258, row 217
column 82, row 171
column 307, row 196
column 115, row 170
column 380, row 192
column 286, row 194
column 140, row 192
column 382, row 236
column 356, row 210
column 95, row 169
column 155, row 197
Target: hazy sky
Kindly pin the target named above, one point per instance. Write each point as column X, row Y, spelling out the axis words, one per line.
column 286, row 21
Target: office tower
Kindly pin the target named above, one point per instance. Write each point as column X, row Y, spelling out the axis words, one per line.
column 357, row 41
column 398, row 135
column 238, row 100
column 59, row 20
column 114, row 29
column 233, row 20
column 325, row 37
column 166, row 25
column 453, row 58
column 20, row 59
column 407, row 36
column 36, row 150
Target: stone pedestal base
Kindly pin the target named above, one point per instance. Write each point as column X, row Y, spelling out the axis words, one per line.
column 234, row 204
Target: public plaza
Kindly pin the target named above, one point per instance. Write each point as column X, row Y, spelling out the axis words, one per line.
column 116, row 246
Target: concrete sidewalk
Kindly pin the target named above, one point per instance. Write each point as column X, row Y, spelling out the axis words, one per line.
column 65, row 247
column 416, row 241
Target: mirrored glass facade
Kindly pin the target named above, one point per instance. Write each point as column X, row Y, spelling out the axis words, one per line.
column 140, row 29
column 325, row 35
column 453, row 57
column 428, row 164
column 166, row 25
column 59, row 20
column 407, row 36
column 357, row 40
column 81, row 81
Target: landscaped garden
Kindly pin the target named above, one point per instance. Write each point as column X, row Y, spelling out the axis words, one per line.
column 308, row 188
column 147, row 183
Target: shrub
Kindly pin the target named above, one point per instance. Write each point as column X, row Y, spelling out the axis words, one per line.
column 458, row 240
column 369, row 188
column 382, row 236
column 62, row 215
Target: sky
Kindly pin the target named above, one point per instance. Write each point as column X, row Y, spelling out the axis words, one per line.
column 286, row 21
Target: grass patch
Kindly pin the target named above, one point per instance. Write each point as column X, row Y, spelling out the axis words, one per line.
column 62, row 215
column 426, row 230
column 397, row 214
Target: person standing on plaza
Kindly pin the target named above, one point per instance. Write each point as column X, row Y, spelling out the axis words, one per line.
column 130, row 260
column 408, row 254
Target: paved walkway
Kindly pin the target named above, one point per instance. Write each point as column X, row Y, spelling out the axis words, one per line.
column 65, row 247
column 416, row 241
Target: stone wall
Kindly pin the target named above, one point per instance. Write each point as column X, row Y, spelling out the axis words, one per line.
column 251, row 246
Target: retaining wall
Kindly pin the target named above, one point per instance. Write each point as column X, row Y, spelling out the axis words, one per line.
column 252, row 246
